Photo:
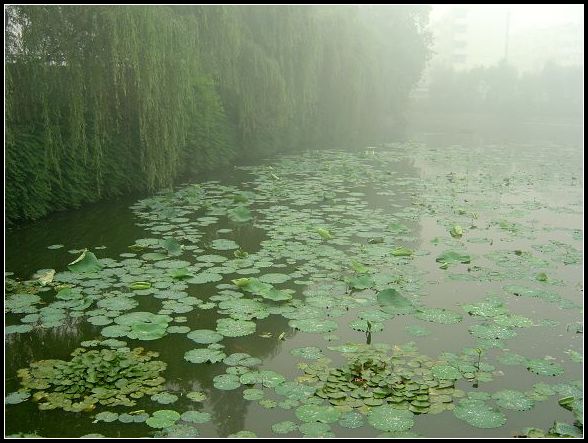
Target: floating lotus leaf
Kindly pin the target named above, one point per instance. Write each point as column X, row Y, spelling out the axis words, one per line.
column 316, row 430
column 205, row 277
column 295, row 391
column 241, row 359
column 479, row 414
column 324, row 233
column 513, row 321
column 222, row 244
column 284, row 427
column 366, row 326
column 392, row 302
column 205, row 336
column 172, row 246
column 243, row 434
column 180, row 273
column 140, row 285
column 313, row 325
column 117, row 303
column 567, row 430
column 351, row 420
column 16, row 397
column 388, row 418
column 374, row 316
column 85, row 263
column 491, row 331
column 226, row 382
column 55, row 247
column 544, row 367
column 106, row 416
column 18, row 329
column 515, row 400
column 179, row 431
column 511, row 358
column 269, row 379
column 21, row 303
column 196, row 396
column 451, row 257
column 203, row 355
column 195, row 417
column 163, row 419
column 252, row 394
column 274, row 278
column 490, row 307
column 268, row 404
column 235, row 328
column 363, row 281
column 312, row 413
column 402, row 251
column 240, row 214
column 165, row 398
column 445, row 372
column 436, row 315
column 308, row 352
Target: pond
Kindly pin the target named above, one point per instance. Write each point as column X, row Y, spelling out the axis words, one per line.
column 413, row 289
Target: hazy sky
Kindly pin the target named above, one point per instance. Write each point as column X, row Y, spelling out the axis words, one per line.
column 528, row 16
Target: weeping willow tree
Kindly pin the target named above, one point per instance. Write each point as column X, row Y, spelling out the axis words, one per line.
column 105, row 100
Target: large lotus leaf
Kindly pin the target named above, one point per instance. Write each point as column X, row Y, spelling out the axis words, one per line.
column 254, row 285
column 241, row 359
column 172, row 246
column 195, row 417
column 445, row 372
column 351, row 420
column 240, row 214
column 513, row 321
column 313, row 325
column 226, row 382
column 274, row 278
column 544, row 367
column 180, row 274
column 492, row 331
column 479, row 414
column 222, row 244
column 205, row 336
column 163, row 419
column 21, row 303
column 436, row 315
column 180, row 431
column 295, row 391
column 117, row 303
column 147, row 331
column 387, row 418
column 196, row 396
column 565, row 430
column 269, row 379
column 392, row 302
column 19, row 329
column 456, row 231
column 165, row 398
column 106, row 416
column 308, row 352
column 316, row 430
column 253, row 394
column 323, row 414
column 362, row 281
column 115, row 331
column 276, row 295
column 515, row 400
column 284, row 427
column 235, row 328
column 324, row 233
column 204, row 355
column 87, row 262
column 138, row 317
column 16, row 397
column 366, row 326
column 402, row 251
column 490, row 307
column 453, row 257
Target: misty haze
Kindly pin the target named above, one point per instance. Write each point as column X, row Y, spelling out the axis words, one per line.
column 287, row 221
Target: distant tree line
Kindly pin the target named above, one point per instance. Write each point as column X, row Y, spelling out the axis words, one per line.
column 106, row 100
column 555, row 92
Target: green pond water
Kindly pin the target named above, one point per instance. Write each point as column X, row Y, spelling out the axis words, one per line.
column 415, row 289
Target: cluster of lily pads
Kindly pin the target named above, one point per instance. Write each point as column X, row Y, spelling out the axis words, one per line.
column 111, row 375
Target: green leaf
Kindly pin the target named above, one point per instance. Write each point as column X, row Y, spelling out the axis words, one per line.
column 172, row 246
column 544, row 367
column 195, row 417
column 479, row 414
column 204, row 355
column 450, row 257
column 392, row 302
column 163, row 419
column 240, row 214
column 324, row 233
column 387, row 418
column 205, row 336
column 312, row 413
column 284, row 427
column 514, row 400
column 87, row 262
column 402, row 251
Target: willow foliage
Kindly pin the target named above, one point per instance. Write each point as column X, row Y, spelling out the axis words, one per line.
column 104, row 100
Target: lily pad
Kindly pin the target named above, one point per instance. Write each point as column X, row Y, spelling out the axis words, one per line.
column 514, row 400
column 479, row 414
column 163, row 419
column 85, row 263
column 392, row 302
column 235, row 328
column 205, row 336
column 284, row 427
column 312, row 413
column 203, row 355
column 388, row 418
column 195, row 417
column 544, row 367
